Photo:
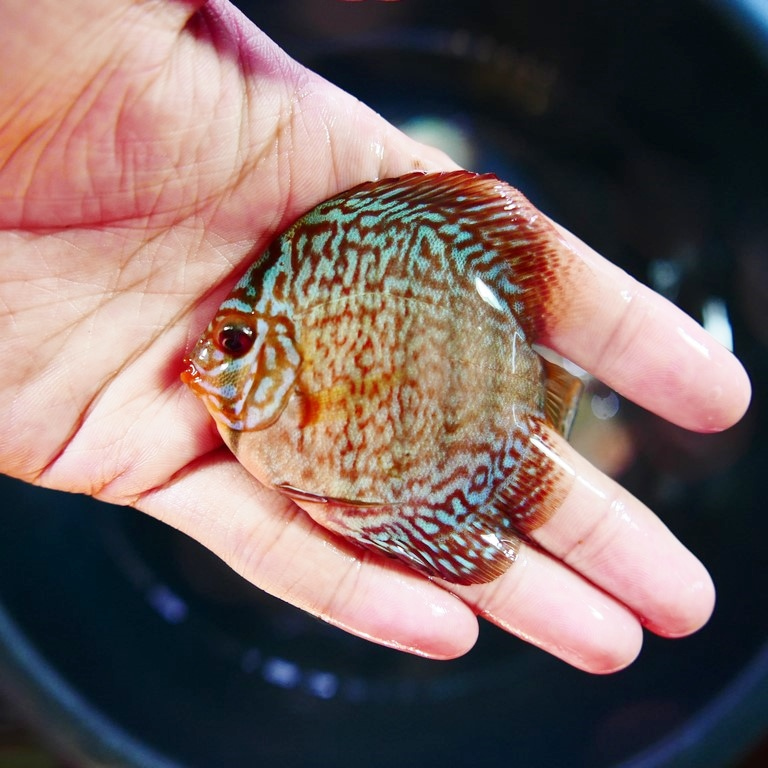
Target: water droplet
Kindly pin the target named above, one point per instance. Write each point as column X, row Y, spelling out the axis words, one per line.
column 605, row 407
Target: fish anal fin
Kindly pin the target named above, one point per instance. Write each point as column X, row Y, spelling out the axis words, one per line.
column 470, row 550
column 473, row 554
column 490, row 555
column 454, row 542
column 473, row 550
column 563, row 392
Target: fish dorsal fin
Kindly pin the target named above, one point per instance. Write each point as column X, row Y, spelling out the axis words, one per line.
column 510, row 230
column 563, row 391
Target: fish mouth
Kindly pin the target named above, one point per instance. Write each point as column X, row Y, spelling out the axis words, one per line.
column 191, row 377
column 194, row 379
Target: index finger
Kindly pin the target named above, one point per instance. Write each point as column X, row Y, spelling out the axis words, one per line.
column 642, row 345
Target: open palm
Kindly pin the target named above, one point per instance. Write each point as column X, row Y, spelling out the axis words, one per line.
column 146, row 151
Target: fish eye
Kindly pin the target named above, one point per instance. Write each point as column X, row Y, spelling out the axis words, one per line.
column 234, row 337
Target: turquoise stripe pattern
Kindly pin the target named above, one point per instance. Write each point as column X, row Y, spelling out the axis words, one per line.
column 375, row 364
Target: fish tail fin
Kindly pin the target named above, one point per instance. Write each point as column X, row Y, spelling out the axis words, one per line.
column 563, row 392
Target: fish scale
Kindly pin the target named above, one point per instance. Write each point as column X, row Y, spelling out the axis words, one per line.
column 375, row 364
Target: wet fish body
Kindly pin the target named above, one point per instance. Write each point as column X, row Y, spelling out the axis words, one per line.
column 375, row 363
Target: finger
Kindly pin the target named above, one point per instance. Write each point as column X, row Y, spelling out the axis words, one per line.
column 276, row 546
column 613, row 540
column 643, row 346
column 552, row 607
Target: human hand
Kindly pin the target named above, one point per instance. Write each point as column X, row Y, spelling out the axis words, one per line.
column 147, row 153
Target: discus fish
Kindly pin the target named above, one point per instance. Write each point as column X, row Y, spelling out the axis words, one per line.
column 375, row 364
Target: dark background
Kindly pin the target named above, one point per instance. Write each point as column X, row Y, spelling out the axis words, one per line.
column 641, row 127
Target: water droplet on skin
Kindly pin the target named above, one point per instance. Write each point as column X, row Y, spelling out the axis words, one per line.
column 699, row 346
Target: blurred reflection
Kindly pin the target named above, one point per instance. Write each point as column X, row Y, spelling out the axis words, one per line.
column 714, row 317
column 753, row 277
column 443, row 133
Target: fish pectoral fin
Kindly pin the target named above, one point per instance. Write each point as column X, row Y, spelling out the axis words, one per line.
column 563, row 391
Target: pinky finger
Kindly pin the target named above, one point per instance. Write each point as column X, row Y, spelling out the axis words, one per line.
column 550, row 606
